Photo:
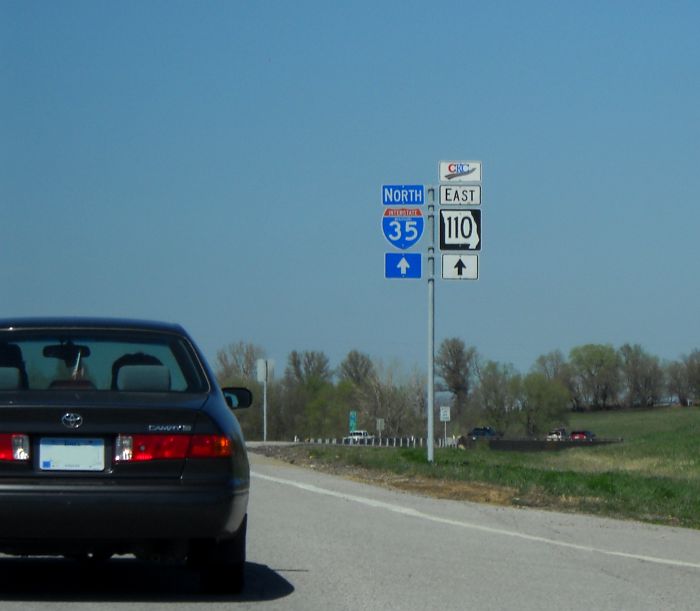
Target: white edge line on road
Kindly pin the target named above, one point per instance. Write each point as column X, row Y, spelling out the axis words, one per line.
column 487, row 529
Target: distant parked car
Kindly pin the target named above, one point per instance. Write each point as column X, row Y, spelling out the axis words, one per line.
column 581, row 436
column 557, row 435
column 358, row 437
column 484, row 432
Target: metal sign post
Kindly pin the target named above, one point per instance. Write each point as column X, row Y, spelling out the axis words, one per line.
column 431, row 323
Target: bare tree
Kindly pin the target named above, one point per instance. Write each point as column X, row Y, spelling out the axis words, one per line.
column 543, row 403
column 677, row 381
column 238, row 361
column 683, row 377
column 499, row 395
column 596, row 370
column 551, row 365
column 457, row 365
column 692, row 364
column 555, row 368
column 308, row 368
column 642, row 376
column 357, row 368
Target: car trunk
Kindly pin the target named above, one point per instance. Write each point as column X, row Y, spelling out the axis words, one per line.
column 63, row 435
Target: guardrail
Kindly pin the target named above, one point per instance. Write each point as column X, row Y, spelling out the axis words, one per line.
column 383, row 442
column 513, row 445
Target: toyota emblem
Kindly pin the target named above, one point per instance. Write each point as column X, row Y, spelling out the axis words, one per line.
column 72, row 420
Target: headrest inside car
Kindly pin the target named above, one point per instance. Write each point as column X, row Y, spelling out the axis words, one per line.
column 10, row 378
column 143, row 378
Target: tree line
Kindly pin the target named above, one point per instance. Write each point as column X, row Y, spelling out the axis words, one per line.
column 310, row 399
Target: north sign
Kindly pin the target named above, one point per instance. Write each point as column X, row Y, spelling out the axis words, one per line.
column 460, row 229
column 403, row 227
column 403, row 195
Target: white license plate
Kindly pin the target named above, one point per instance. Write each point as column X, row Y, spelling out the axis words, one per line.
column 71, row 454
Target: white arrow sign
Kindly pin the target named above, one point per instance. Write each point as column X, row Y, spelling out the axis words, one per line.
column 460, row 267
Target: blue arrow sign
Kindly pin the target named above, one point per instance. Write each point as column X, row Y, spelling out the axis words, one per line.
column 402, row 264
column 403, row 227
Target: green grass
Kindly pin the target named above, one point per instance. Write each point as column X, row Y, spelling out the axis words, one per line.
column 653, row 475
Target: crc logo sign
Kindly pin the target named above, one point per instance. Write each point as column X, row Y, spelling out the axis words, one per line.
column 460, row 171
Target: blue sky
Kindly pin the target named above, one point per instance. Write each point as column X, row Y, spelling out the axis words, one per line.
column 220, row 164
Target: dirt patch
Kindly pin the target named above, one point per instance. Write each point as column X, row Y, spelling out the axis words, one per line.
column 437, row 488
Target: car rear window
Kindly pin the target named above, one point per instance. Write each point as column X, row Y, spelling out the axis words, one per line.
column 100, row 360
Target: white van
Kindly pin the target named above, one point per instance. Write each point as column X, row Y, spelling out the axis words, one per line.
column 358, row 437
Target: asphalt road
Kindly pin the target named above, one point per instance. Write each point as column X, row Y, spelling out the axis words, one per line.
column 344, row 545
column 317, row 542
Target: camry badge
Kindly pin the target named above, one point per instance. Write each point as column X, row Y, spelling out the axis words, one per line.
column 72, row 420
column 169, row 428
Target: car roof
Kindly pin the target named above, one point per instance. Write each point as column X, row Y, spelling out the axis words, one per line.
column 86, row 322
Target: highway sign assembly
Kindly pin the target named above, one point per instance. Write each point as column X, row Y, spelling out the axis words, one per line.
column 459, row 222
column 402, row 265
column 460, row 229
column 460, row 267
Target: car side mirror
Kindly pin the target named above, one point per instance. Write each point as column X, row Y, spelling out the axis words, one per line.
column 238, row 397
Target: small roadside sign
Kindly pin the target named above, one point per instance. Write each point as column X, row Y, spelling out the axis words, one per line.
column 460, row 171
column 469, row 195
column 460, row 267
column 403, row 195
column 444, row 413
column 402, row 265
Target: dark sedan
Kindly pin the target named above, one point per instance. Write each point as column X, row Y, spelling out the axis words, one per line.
column 116, row 439
column 484, row 432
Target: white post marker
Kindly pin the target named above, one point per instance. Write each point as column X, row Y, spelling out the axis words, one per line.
column 265, row 367
column 445, row 418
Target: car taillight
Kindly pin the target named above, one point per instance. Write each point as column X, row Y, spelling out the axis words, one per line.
column 14, row 446
column 210, row 446
column 131, row 448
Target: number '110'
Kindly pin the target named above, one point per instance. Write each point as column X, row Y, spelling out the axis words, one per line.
column 458, row 226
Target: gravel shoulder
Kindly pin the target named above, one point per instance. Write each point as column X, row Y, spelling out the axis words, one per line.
column 301, row 456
